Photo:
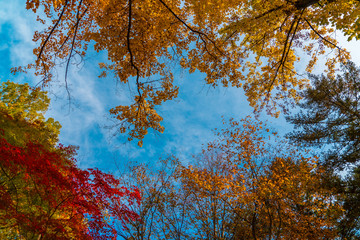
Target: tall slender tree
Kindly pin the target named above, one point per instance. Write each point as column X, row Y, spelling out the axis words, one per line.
column 330, row 116
column 329, row 119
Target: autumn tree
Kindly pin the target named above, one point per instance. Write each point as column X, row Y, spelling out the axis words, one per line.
column 329, row 119
column 269, row 191
column 26, row 108
column 43, row 194
column 240, row 187
column 250, row 44
column 162, row 212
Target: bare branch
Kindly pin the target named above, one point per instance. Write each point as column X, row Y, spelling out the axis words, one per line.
column 78, row 18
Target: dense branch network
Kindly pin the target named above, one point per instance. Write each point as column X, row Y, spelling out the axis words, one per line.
column 216, row 38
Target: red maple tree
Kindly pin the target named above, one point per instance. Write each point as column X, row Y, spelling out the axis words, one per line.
column 44, row 195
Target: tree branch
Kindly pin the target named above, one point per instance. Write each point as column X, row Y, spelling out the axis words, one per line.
column 53, row 29
column 130, row 52
column 321, row 37
column 190, row 28
column 78, row 18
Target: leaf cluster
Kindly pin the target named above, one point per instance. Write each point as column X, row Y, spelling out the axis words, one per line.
column 251, row 44
column 43, row 194
column 239, row 187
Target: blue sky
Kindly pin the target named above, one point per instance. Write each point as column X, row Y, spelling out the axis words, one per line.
column 188, row 120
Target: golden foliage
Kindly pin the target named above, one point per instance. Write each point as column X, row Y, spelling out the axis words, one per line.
column 251, row 44
column 268, row 192
column 240, row 187
column 26, row 107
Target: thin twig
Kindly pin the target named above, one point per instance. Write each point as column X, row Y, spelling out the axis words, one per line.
column 53, row 29
column 72, row 47
column 286, row 49
column 189, row 27
column 321, row 37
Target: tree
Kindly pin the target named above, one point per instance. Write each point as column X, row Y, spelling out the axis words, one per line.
column 331, row 116
column 268, row 192
column 329, row 119
column 239, row 187
column 26, row 107
column 349, row 188
column 43, row 194
column 162, row 212
column 250, row 44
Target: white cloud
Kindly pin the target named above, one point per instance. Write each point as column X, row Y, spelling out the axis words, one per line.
column 23, row 25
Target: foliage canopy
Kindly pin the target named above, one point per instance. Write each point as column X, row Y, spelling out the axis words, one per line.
column 43, row 194
column 239, row 187
column 330, row 116
column 329, row 119
column 250, row 44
